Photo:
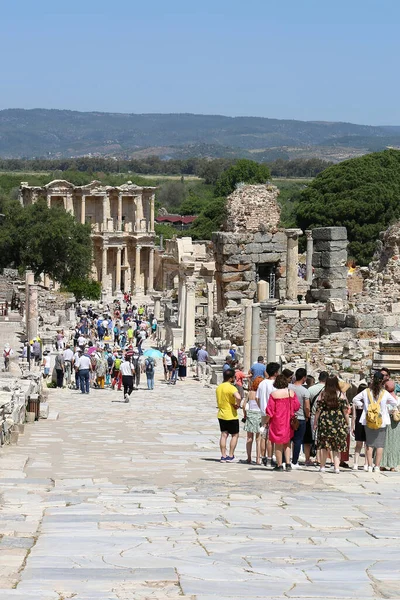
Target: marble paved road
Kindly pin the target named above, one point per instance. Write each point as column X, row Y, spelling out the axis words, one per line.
column 115, row 501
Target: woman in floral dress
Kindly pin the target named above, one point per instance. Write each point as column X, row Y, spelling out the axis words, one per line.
column 332, row 422
column 182, row 361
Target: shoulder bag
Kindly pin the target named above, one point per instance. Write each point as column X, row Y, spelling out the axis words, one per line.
column 294, row 422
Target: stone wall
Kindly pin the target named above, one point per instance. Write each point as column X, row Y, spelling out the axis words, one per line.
column 251, row 205
column 329, row 262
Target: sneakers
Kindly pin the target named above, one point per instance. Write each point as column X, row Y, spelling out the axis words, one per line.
column 377, row 469
column 370, row 469
column 337, row 470
column 278, row 468
column 223, row 459
column 288, row 467
column 355, row 467
column 322, row 469
column 366, row 467
column 264, row 461
column 126, row 398
column 229, row 458
column 296, row 466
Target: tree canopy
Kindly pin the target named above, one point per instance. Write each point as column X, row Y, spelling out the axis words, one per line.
column 243, row 171
column 48, row 240
column 361, row 194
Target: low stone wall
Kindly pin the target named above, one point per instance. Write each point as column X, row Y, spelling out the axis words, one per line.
column 14, row 398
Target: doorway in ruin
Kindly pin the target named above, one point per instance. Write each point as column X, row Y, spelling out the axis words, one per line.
column 268, row 272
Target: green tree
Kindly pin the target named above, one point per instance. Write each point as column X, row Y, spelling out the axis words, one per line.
column 361, row 194
column 243, row 171
column 171, row 194
column 209, row 220
column 84, row 289
column 49, row 240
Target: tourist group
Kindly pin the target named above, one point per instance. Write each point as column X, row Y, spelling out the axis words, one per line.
column 288, row 416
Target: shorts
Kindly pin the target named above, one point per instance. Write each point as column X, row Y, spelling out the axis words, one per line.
column 231, row 426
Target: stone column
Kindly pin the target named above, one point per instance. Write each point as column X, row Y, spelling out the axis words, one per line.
column 69, row 207
column 139, row 212
column 137, row 269
column 119, row 218
column 46, row 281
column 106, row 207
column 262, row 290
column 150, row 284
column 255, row 333
column 310, row 246
column 104, row 277
column 118, row 271
column 33, row 315
column 48, row 200
column 83, row 209
column 210, row 301
column 182, row 302
column 190, row 314
column 152, row 200
column 29, row 280
column 248, row 311
column 269, row 307
column 292, row 263
column 157, row 306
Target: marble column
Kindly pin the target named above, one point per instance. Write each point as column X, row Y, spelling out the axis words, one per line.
column 104, row 277
column 248, row 311
column 255, row 333
column 29, row 281
column 182, row 302
column 118, row 270
column 137, row 269
column 139, row 212
column 157, row 306
column 152, row 200
column 150, row 284
column 262, row 290
column 33, row 315
column 269, row 308
column 48, row 200
column 292, row 263
column 106, row 211
column 83, row 209
column 310, row 247
column 190, row 314
column 119, row 217
column 210, row 302
column 69, row 206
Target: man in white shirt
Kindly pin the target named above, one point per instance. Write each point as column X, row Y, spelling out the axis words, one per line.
column 68, row 356
column 84, row 366
column 264, row 391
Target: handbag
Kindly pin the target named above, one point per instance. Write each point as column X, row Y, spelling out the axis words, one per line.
column 396, row 415
column 294, row 422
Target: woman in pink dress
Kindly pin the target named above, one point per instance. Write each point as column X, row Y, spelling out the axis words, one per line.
column 282, row 406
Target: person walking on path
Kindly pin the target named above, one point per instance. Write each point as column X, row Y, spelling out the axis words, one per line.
column 150, row 367
column 258, row 369
column 332, row 421
column 252, row 416
column 281, row 409
column 68, row 356
column 202, row 364
column 127, row 372
column 182, row 362
column 59, row 367
column 375, row 417
column 303, row 414
column 358, row 430
column 391, row 452
column 228, row 401
column 84, row 367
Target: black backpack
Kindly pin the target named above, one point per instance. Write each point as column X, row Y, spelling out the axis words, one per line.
column 149, row 366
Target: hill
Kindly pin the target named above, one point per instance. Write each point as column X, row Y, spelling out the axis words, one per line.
column 56, row 133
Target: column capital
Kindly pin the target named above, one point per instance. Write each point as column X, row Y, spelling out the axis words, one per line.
column 293, row 233
column 269, row 305
column 138, row 247
column 308, row 233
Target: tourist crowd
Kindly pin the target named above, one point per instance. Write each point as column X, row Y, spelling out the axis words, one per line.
column 285, row 413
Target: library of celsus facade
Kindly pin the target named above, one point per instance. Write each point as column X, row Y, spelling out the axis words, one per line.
column 122, row 222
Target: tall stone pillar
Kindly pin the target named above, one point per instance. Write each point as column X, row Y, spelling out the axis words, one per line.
column 83, row 209
column 248, row 311
column 255, row 333
column 33, row 315
column 48, row 200
column 210, row 302
column 310, row 247
column 190, row 314
column 69, row 206
column 292, row 263
column 139, row 212
column 157, row 306
column 269, row 307
column 104, row 276
column 137, row 269
column 118, row 271
column 150, row 284
column 106, row 211
column 119, row 217
column 152, row 200
column 29, row 281
column 182, row 302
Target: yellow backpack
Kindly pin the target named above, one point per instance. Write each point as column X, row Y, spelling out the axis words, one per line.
column 374, row 415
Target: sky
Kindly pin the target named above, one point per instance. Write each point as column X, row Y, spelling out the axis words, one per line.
column 330, row 60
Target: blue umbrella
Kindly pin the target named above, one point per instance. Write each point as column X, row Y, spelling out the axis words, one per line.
column 153, row 353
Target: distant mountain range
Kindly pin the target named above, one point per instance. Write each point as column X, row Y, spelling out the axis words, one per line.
column 44, row 133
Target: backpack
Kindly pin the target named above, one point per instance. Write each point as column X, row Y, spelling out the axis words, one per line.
column 374, row 415
column 110, row 360
column 117, row 364
column 149, row 366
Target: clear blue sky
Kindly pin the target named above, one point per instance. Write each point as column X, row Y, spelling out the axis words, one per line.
column 334, row 60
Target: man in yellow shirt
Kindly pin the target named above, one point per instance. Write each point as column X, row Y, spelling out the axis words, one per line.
column 228, row 401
